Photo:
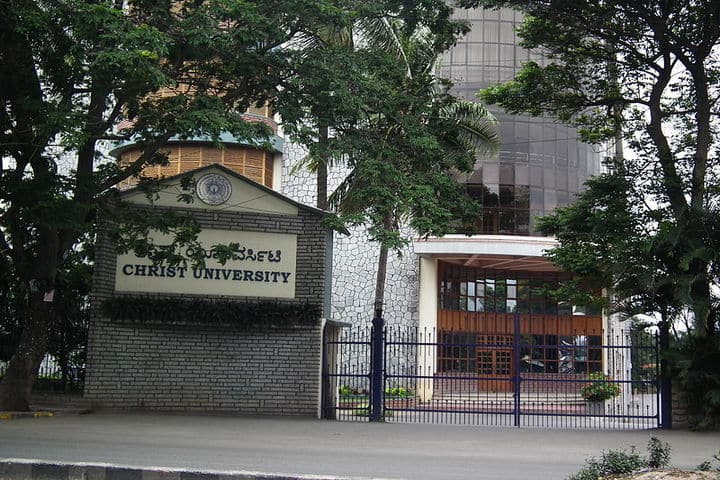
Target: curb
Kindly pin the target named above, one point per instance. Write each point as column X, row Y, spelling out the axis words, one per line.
column 14, row 415
column 29, row 469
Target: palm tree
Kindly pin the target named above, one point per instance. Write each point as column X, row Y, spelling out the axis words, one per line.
column 376, row 32
column 406, row 154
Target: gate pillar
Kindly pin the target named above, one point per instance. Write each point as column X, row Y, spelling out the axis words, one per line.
column 377, row 348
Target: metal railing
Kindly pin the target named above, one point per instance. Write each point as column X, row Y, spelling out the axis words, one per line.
column 428, row 376
column 50, row 376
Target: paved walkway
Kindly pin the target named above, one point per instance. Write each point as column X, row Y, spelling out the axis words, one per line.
column 344, row 449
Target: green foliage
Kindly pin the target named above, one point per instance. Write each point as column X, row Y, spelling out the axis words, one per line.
column 401, row 392
column 618, row 462
column 11, row 311
column 643, row 74
column 403, row 154
column 710, row 465
column 658, row 453
column 174, row 311
column 346, row 391
column 612, row 462
column 696, row 363
column 43, row 384
column 80, row 74
column 610, row 81
column 599, row 388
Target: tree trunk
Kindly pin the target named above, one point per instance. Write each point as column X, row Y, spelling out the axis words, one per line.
column 382, row 270
column 322, row 169
column 701, row 298
column 16, row 385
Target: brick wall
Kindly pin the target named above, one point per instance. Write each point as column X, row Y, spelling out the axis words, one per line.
column 263, row 371
column 184, row 368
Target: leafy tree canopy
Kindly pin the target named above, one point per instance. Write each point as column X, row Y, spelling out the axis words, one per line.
column 402, row 155
column 77, row 76
column 647, row 71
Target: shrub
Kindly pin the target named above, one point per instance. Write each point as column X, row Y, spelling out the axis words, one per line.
column 659, row 453
column 599, row 388
column 617, row 462
column 695, row 363
column 612, row 462
column 398, row 392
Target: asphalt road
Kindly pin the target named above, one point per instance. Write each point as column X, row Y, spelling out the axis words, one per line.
column 306, row 446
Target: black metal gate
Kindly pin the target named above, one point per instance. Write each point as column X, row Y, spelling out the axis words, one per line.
column 400, row 374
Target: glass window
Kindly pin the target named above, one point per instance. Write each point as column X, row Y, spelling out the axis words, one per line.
column 563, row 198
column 507, row 35
column 522, row 197
column 474, row 54
column 522, row 221
column 549, row 177
column 491, row 53
column 458, row 53
column 537, row 307
column 507, row 54
column 491, row 173
column 536, row 176
column 490, row 31
column 550, row 199
column 500, row 290
column 523, row 288
column 507, row 222
column 479, row 290
column 491, row 196
column 507, row 175
column 523, row 306
column 507, row 14
column 489, row 304
column 522, row 175
column 507, row 196
column 561, row 178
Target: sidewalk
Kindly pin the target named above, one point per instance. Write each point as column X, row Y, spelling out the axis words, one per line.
column 295, row 447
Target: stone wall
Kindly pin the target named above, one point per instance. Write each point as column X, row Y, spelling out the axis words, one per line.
column 355, row 258
column 219, row 368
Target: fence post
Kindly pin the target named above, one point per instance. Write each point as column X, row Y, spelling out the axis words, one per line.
column 665, row 382
column 377, row 347
column 516, row 369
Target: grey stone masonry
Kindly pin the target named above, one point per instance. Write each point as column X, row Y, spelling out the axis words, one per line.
column 355, row 256
column 265, row 370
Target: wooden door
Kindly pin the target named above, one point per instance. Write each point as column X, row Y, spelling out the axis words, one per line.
column 495, row 363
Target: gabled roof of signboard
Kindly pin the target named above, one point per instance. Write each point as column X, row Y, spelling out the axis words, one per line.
column 226, row 171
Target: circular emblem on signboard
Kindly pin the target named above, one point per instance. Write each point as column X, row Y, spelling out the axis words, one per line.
column 213, row 189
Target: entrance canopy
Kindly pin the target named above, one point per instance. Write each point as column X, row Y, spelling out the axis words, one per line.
column 502, row 252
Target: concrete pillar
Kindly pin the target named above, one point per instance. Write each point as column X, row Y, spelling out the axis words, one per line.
column 427, row 333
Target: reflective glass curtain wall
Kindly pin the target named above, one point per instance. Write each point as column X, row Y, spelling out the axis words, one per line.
column 541, row 164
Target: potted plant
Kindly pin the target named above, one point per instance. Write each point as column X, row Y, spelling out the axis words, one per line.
column 599, row 389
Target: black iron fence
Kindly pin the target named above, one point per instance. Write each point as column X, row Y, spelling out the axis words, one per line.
column 52, row 377
column 609, row 380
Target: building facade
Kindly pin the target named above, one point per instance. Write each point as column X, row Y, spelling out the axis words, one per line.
column 500, row 271
column 479, row 291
